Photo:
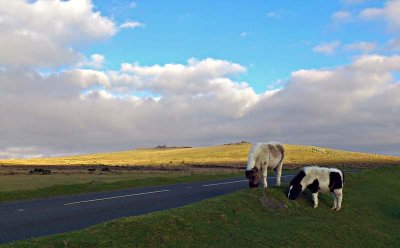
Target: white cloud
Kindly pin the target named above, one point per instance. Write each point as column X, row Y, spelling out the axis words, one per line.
column 20, row 152
column 17, row 49
column 372, row 13
column 327, row 48
column 195, row 77
column 390, row 13
column 365, row 47
column 279, row 13
column 273, row 14
column 341, row 16
column 131, row 25
column 43, row 33
column 132, row 5
column 351, row 106
column 198, row 103
column 85, row 77
column 393, row 44
column 96, row 61
column 377, row 64
column 87, row 106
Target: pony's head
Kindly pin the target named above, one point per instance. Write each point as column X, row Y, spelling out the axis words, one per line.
column 254, row 177
column 295, row 187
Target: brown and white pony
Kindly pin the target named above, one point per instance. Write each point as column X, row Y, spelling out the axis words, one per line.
column 261, row 157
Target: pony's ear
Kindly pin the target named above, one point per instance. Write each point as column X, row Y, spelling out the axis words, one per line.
column 255, row 169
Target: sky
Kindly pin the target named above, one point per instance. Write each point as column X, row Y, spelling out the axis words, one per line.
column 86, row 76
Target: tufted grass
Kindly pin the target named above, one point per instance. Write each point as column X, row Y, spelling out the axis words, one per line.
column 370, row 218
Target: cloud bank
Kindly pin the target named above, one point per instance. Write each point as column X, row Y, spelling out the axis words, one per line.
column 198, row 103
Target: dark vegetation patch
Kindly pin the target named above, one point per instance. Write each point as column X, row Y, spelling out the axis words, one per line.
column 40, row 171
column 163, row 147
column 243, row 142
column 107, row 169
column 272, row 203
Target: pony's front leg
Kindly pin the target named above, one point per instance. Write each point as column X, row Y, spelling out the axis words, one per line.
column 278, row 174
column 315, row 198
column 265, row 177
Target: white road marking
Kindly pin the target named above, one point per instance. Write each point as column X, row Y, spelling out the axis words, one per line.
column 20, row 210
column 154, row 192
column 215, row 184
column 115, row 197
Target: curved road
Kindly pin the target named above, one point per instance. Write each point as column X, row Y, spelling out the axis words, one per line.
column 33, row 218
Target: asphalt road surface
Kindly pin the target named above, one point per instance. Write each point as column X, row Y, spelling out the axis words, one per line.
column 33, row 218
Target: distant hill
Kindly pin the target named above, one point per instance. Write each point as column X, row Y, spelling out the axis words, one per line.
column 234, row 155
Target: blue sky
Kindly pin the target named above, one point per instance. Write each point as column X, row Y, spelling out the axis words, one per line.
column 270, row 38
column 82, row 76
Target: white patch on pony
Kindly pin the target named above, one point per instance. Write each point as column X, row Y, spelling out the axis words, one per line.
column 291, row 187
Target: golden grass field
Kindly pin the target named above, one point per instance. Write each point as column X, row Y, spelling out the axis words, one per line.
column 164, row 164
column 235, row 155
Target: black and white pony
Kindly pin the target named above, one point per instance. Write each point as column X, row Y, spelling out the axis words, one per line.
column 261, row 157
column 318, row 179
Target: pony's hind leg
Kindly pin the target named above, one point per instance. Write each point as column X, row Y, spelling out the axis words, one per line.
column 335, row 201
column 339, row 196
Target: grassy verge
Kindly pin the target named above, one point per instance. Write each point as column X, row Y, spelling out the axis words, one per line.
column 30, row 182
column 97, row 186
column 370, row 218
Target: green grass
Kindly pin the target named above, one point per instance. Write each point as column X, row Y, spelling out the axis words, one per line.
column 84, row 185
column 370, row 217
column 297, row 155
column 28, row 182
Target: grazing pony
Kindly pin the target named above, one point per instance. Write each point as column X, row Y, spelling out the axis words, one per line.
column 261, row 157
column 318, row 179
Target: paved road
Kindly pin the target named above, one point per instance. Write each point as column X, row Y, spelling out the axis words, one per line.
column 27, row 219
